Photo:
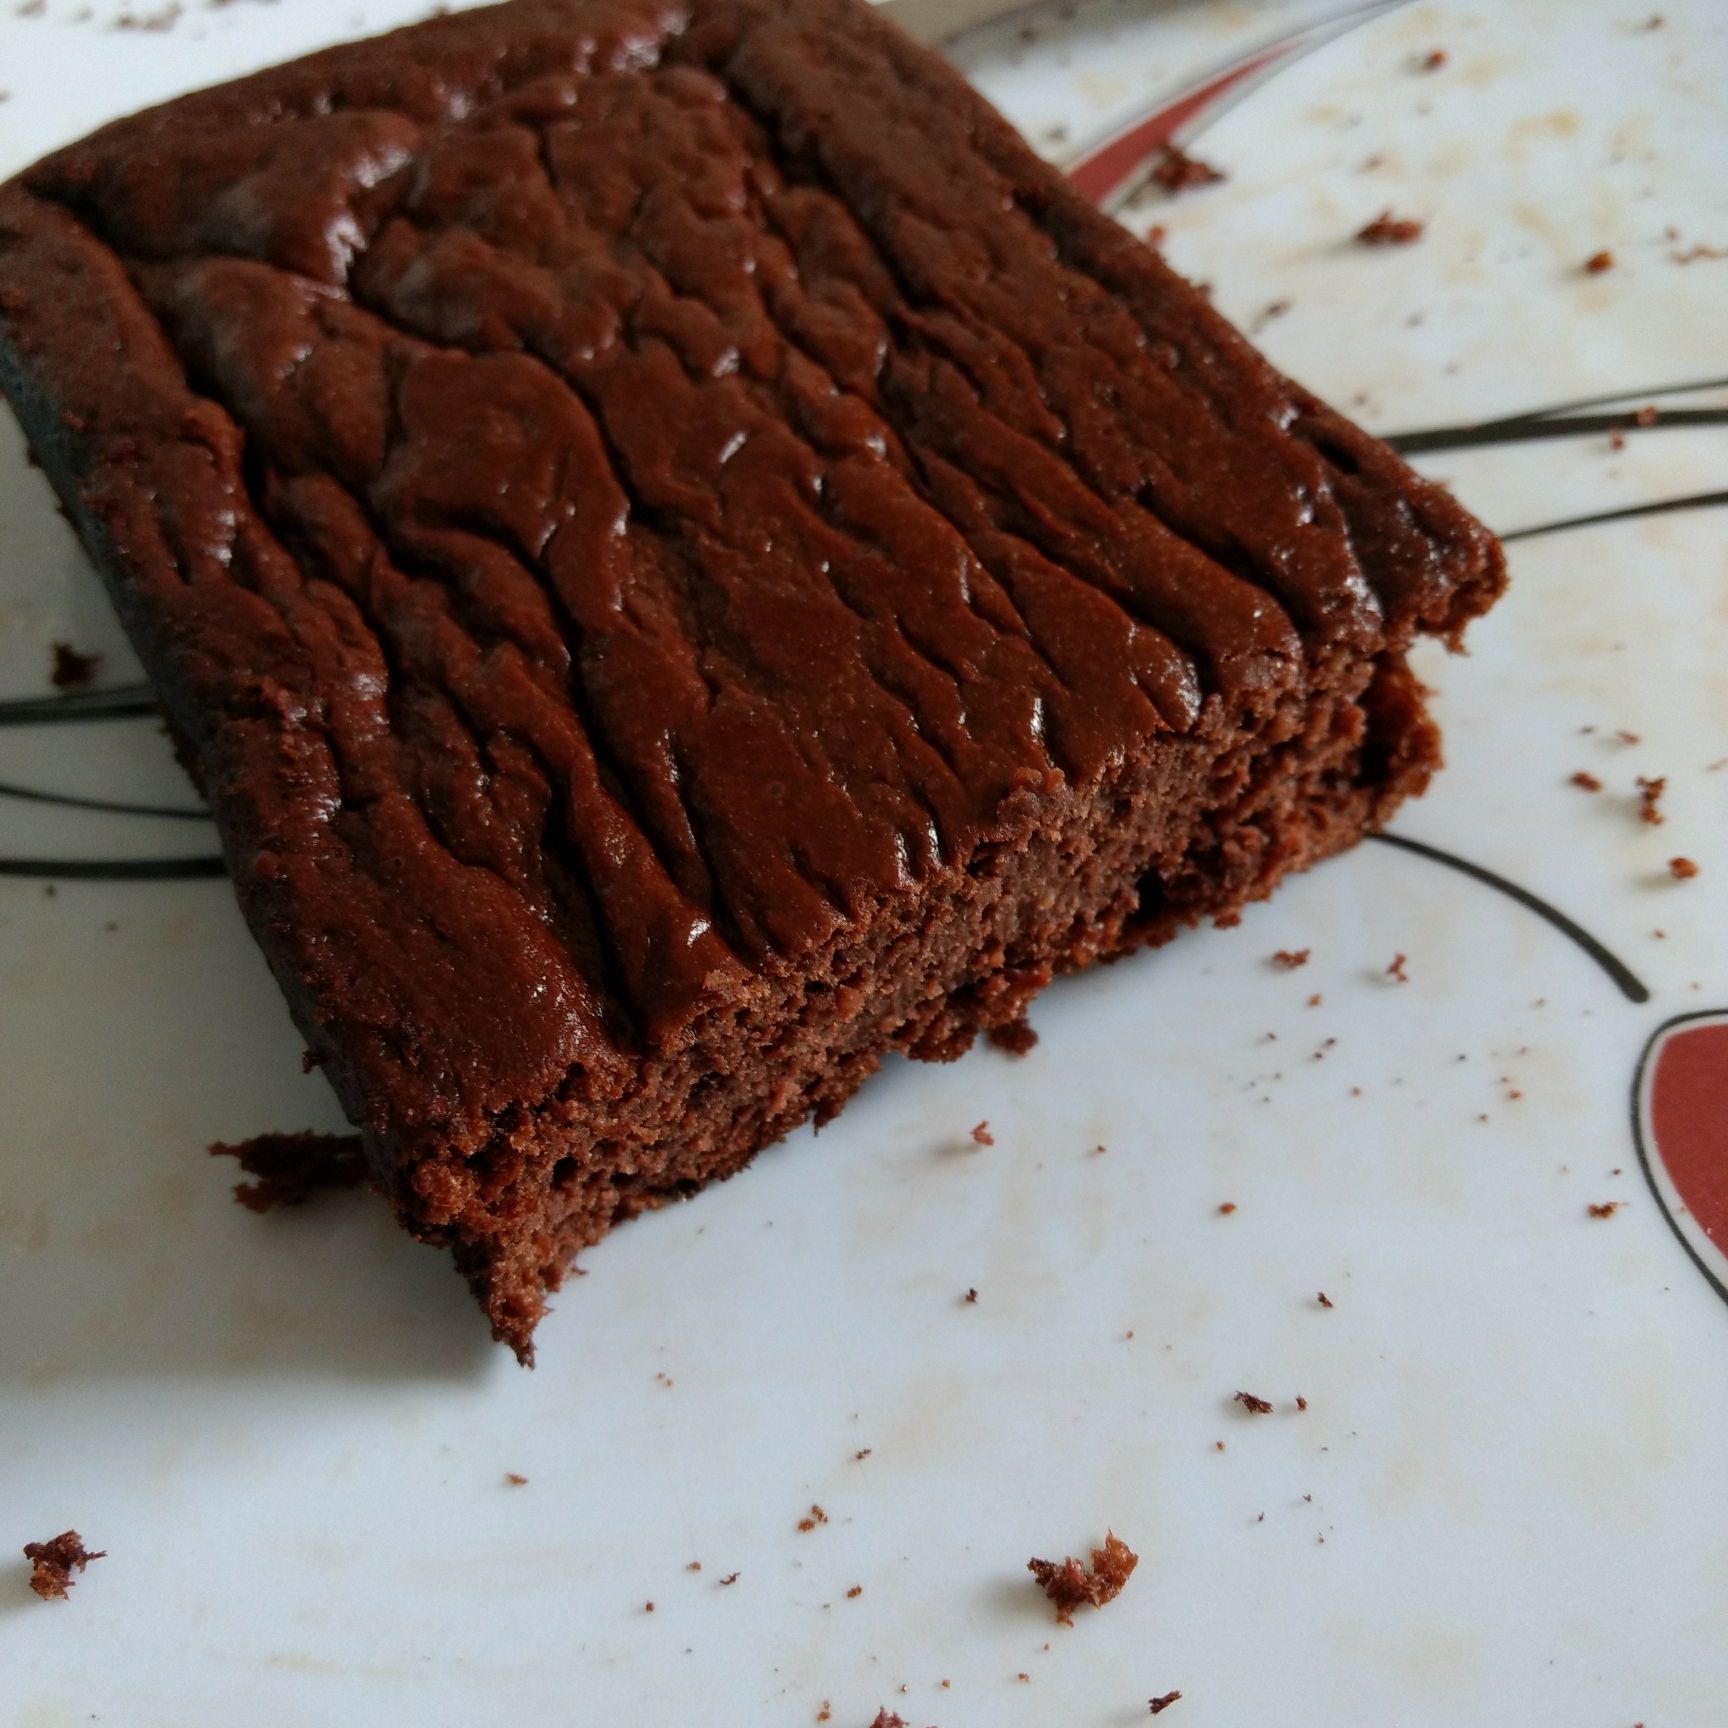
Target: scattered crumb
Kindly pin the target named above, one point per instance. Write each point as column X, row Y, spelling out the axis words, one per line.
column 1023, row 1677
column 31, row 8
column 855, row 1592
column 825, row 1714
column 1161, row 1704
column 1226, row 1207
column 1432, row 61
column 1646, row 416
column 1389, row 230
column 1272, row 309
column 1695, row 254
column 1605, row 1208
column 1396, row 969
column 515, row 1480
column 972, row 1295
column 1217, row 1445
column 886, row 1718
column 1586, row 782
column 1291, row 958
column 1623, row 735
column 154, row 22
column 1616, row 438
column 730, row 1578
column 1069, row 1584
column 1599, row 262
column 1324, row 1300
column 664, row 1378
column 1254, row 1406
column 1650, row 798
column 983, row 1135
column 72, row 670
column 694, row 1566
column 647, row 1607
column 812, row 1518
column 861, row 1454
column 1682, row 869
column 1654, row 22
column 1176, row 171
column 291, row 1168
column 1017, row 1037
column 52, row 1564
column 1301, row 1402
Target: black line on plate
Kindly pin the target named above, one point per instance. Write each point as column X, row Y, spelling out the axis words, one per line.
column 114, row 869
column 1663, row 507
column 35, row 796
column 1625, row 979
column 1493, row 433
column 1673, row 1223
column 1509, row 427
column 123, row 702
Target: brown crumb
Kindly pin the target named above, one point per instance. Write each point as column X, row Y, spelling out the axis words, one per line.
column 1646, row 416
column 862, row 1453
column 886, row 1718
column 1650, row 792
column 1161, row 1704
column 31, row 8
column 152, row 22
column 694, row 1566
column 1176, row 171
column 812, row 1518
column 1604, row 1208
column 1432, row 61
column 1623, row 735
column 1069, row 1584
column 1695, row 254
column 52, row 1564
column 1024, row 1677
column 825, row 1714
column 515, row 1480
column 1389, row 230
column 1396, row 969
column 1324, row 1300
column 291, row 1168
column 1654, row 22
column 1314, row 1000
column 647, row 1607
column 1586, row 782
column 72, row 670
column 855, row 1592
column 1226, row 1207
column 1301, row 1402
column 972, row 1295
column 1599, row 262
column 1616, row 438
column 1682, row 869
column 1290, row 958
column 730, row 1578
column 983, row 1135
column 1017, row 1037
column 1272, row 309
column 1217, row 1445
column 1254, row 1406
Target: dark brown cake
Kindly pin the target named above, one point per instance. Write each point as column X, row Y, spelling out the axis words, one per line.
column 686, row 559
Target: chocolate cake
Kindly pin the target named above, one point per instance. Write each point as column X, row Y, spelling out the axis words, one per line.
column 685, row 559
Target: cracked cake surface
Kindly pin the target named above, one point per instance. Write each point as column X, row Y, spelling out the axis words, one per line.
column 684, row 558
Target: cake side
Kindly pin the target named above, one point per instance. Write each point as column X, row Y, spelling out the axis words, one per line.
column 685, row 559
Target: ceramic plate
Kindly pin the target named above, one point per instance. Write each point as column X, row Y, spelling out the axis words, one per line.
column 1505, row 1162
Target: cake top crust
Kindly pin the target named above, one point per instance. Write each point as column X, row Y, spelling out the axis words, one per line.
column 611, row 490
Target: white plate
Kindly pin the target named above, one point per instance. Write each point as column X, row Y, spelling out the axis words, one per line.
column 1503, row 1503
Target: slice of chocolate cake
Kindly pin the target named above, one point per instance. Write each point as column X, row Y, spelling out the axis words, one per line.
column 685, row 559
